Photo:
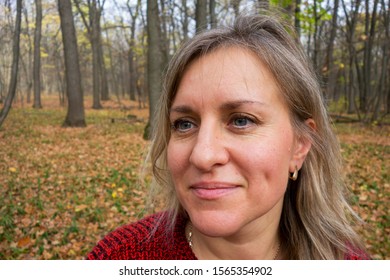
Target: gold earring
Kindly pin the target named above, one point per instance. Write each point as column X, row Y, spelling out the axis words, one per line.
column 294, row 177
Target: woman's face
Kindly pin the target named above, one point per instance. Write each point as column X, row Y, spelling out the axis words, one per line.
column 232, row 144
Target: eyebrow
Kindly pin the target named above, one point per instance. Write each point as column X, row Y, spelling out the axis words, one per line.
column 233, row 105
column 181, row 109
column 228, row 106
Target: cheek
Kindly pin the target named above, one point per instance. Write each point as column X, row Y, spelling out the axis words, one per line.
column 268, row 160
column 175, row 158
column 170, row 157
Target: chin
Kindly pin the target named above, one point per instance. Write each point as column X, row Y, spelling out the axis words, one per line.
column 215, row 223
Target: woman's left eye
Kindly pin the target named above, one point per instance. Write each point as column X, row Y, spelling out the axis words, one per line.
column 242, row 121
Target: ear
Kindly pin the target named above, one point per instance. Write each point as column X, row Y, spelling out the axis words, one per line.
column 302, row 147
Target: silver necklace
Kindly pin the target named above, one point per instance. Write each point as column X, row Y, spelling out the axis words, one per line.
column 189, row 240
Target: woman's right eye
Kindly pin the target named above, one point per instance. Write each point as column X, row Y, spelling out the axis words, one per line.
column 182, row 125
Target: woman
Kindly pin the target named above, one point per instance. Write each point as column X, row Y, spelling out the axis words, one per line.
column 244, row 155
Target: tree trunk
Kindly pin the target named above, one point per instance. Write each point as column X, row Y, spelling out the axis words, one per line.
column 60, row 83
column 75, row 115
column 331, row 74
column 104, row 91
column 115, row 79
column 263, row 4
column 384, row 84
column 1, row 89
column 185, row 19
column 236, row 7
column 388, row 101
column 351, row 25
column 132, row 81
column 201, row 15
column 37, row 55
column 27, row 66
column 92, row 27
column 163, row 34
column 95, row 56
column 95, row 77
column 315, row 36
column 370, row 23
column 154, row 62
column 131, row 53
column 15, row 64
column 297, row 21
column 380, row 91
column 213, row 16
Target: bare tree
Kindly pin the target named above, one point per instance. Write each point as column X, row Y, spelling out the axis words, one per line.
column 15, row 64
column 351, row 21
column 185, row 19
column 236, row 7
column 386, row 53
column 75, row 116
column 131, row 54
column 27, row 62
column 369, row 30
column 213, row 16
column 263, row 4
column 92, row 24
column 37, row 55
column 201, row 15
column 104, row 92
column 383, row 81
column 331, row 71
column 154, row 65
column 297, row 21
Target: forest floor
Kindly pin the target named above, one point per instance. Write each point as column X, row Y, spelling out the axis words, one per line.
column 63, row 189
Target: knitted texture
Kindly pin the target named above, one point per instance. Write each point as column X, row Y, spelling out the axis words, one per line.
column 135, row 242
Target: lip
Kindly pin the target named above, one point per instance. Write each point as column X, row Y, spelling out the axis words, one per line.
column 212, row 190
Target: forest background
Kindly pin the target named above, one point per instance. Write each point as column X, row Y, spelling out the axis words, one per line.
column 83, row 78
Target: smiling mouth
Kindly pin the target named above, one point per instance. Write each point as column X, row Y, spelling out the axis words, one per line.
column 212, row 192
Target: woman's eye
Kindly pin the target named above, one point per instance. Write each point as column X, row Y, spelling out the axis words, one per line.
column 242, row 122
column 182, row 125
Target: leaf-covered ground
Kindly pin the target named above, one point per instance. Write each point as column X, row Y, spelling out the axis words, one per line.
column 63, row 189
column 366, row 152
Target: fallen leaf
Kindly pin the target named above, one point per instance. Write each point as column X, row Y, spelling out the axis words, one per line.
column 114, row 194
column 26, row 221
column 81, row 207
column 24, row 242
column 12, row 169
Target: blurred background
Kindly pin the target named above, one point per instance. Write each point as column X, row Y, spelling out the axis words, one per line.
column 83, row 78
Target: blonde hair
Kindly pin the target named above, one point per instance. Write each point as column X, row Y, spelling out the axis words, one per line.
column 316, row 218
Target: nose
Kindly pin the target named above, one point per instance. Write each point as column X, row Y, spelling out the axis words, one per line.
column 209, row 149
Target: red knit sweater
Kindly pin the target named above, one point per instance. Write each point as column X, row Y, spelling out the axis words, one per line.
column 133, row 242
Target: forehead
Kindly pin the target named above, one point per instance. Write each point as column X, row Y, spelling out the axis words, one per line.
column 228, row 72
column 233, row 60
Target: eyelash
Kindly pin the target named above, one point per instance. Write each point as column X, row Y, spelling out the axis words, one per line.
column 235, row 117
column 176, row 123
column 253, row 121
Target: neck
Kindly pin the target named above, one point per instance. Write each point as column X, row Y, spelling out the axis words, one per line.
column 252, row 245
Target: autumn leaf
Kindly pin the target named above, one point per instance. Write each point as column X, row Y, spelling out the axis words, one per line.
column 24, row 242
column 114, row 194
column 81, row 207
